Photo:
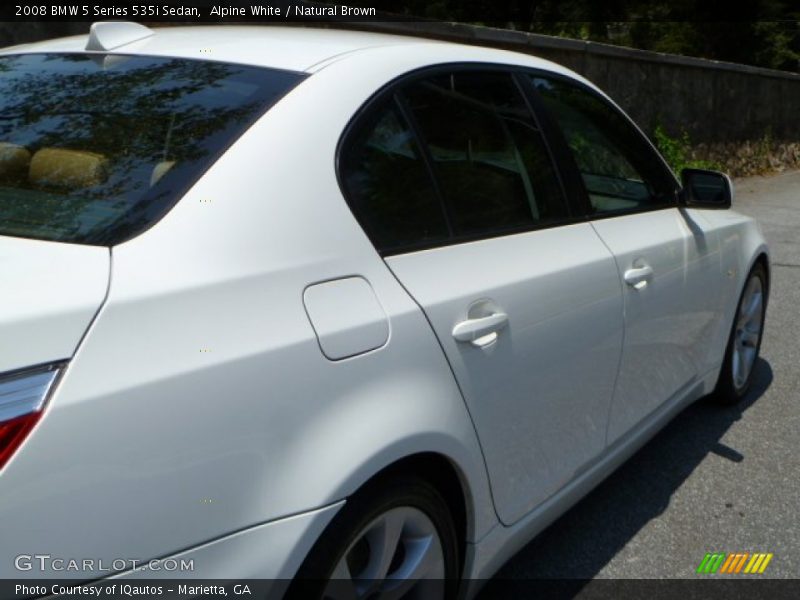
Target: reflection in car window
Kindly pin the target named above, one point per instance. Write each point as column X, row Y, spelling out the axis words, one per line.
column 490, row 160
column 620, row 171
column 95, row 148
column 388, row 185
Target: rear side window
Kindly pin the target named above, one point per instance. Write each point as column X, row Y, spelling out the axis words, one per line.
column 95, row 148
column 388, row 184
column 620, row 171
column 492, row 165
column 446, row 158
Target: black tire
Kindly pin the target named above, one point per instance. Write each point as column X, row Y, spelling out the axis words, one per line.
column 727, row 392
column 362, row 509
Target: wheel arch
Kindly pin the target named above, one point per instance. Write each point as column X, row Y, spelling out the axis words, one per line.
column 746, row 248
column 762, row 258
column 449, row 480
column 758, row 257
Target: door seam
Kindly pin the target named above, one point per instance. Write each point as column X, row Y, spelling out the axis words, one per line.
column 458, row 385
column 624, row 331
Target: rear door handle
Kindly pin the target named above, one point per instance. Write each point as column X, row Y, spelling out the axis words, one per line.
column 482, row 331
column 637, row 277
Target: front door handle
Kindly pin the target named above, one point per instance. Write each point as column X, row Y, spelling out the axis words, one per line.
column 481, row 331
column 637, row 277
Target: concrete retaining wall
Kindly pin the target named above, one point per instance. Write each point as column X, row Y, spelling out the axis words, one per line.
column 713, row 101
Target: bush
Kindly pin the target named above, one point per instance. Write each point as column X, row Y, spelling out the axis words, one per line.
column 679, row 153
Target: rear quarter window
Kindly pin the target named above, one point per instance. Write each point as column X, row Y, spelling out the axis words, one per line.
column 94, row 149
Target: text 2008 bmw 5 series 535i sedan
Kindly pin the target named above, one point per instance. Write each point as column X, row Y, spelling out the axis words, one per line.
column 352, row 309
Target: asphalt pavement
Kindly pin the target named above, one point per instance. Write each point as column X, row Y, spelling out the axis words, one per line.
column 716, row 479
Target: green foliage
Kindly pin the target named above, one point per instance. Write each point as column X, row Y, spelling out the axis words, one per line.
column 677, row 151
column 764, row 146
column 764, row 33
column 738, row 159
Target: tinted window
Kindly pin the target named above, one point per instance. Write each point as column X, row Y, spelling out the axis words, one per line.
column 387, row 182
column 489, row 158
column 95, row 148
column 620, row 170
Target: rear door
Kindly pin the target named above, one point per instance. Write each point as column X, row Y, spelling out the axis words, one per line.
column 451, row 179
column 667, row 257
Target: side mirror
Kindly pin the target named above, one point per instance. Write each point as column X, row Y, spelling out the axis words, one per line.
column 706, row 189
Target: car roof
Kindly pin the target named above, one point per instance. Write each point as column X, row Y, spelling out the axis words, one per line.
column 291, row 48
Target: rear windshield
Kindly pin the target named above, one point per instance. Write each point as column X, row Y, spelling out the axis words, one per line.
column 94, row 149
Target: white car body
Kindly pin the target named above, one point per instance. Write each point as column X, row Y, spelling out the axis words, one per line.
column 202, row 417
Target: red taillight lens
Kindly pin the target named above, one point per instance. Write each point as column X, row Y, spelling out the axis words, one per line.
column 13, row 433
column 23, row 394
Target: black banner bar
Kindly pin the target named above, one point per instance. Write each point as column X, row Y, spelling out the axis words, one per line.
column 708, row 587
column 500, row 13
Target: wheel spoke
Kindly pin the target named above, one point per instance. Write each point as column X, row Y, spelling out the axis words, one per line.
column 748, row 356
column 750, row 338
column 341, row 585
column 753, row 307
column 342, row 570
column 383, row 541
column 425, row 558
column 737, row 366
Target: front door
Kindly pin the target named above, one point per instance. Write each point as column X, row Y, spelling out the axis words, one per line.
column 667, row 258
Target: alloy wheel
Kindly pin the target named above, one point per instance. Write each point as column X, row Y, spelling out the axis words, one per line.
column 391, row 557
column 749, row 326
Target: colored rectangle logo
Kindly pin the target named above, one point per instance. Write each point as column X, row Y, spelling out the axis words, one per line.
column 734, row 563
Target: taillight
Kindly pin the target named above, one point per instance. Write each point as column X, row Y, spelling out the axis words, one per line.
column 23, row 395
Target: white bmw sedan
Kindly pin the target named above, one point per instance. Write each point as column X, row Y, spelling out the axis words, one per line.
column 351, row 309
